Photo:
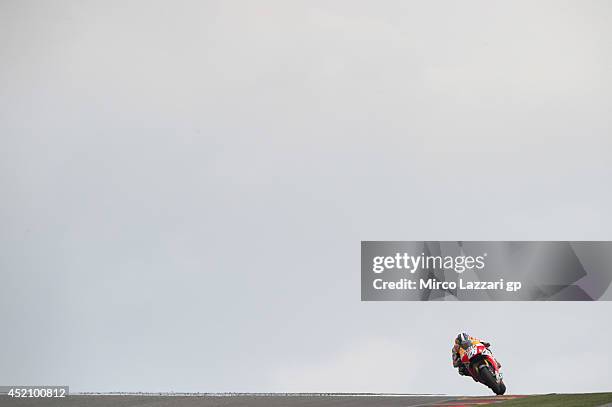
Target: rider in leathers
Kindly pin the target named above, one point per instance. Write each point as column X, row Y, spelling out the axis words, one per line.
column 462, row 337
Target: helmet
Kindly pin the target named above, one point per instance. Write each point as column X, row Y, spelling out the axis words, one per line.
column 462, row 337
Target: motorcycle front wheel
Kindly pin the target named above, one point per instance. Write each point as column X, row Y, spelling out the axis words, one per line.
column 502, row 388
column 488, row 378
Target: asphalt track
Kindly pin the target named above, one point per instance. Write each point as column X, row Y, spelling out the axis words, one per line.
column 253, row 401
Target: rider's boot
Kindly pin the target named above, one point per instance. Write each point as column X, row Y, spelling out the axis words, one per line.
column 463, row 371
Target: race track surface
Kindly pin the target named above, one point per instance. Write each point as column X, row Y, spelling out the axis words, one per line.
column 252, row 401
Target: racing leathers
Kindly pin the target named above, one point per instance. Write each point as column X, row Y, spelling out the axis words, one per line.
column 463, row 370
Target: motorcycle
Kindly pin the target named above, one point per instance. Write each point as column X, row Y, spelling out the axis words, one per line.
column 482, row 366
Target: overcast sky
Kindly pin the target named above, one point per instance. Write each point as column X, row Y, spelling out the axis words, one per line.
column 184, row 187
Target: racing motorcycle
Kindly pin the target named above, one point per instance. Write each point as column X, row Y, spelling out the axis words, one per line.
column 482, row 366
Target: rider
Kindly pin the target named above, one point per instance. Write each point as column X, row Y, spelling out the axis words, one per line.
column 463, row 337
